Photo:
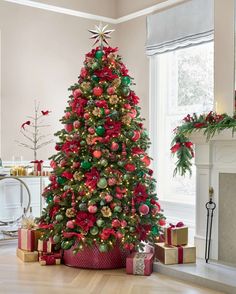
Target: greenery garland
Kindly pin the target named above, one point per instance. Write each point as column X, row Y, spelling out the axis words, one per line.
column 211, row 124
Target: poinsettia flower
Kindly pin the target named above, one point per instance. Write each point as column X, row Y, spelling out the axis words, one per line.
column 78, row 105
column 106, row 74
column 53, row 211
column 112, row 128
column 140, row 193
column 101, row 103
column 85, row 220
column 109, row 50
column 106, row 233
column 133, row 98
column 143, row 231
column 67, row 175
column 71, row 146
column 92, row 177
column 137, row 150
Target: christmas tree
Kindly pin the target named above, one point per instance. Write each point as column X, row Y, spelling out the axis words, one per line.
column 101, row 190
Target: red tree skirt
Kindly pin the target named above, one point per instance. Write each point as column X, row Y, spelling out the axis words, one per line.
column 94, row 259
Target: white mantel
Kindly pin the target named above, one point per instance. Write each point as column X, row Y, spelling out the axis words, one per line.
column 218, row 155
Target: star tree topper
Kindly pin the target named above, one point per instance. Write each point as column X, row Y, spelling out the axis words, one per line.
column 101, row 34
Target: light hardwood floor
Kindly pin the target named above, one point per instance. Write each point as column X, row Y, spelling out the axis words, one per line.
column 31, row 278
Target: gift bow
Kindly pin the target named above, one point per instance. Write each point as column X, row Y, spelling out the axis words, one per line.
column 28, row 223
column 169, row 229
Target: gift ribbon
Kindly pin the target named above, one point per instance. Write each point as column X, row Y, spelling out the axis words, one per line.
column 170, row 228
column 139, row 263
column 26, row 239
column 180, row 254
column 39, row 164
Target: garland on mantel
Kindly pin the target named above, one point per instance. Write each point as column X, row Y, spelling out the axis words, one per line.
column 211, row 124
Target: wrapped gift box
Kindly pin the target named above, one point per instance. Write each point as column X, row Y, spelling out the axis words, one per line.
column 50, row 259
column 27, row 256
column 140, row 264
column 176, row 236
column 173, row 255
column 46, row 246
column 28, row 239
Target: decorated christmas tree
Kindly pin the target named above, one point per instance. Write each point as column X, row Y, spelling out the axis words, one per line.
column 101, row 190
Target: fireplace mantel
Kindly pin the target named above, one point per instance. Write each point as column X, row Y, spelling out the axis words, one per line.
column 212, row 157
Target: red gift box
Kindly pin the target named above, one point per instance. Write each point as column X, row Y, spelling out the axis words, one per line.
column 46, row 246
column 28, row 239
column 50, row 259
column 140, row 264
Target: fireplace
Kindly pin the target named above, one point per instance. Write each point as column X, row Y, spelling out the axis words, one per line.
column 216, row 167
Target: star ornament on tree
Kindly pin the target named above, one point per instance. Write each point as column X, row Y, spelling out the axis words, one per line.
column 101, row 34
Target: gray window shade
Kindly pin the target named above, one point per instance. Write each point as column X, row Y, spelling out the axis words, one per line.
column 184, row 25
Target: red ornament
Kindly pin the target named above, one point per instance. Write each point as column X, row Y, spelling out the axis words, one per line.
column 111, row 90
column 67, row 115
column 115, row 223
column 76, row 164
column 70, row 225
column 91, row 130
column 162, row 222
column 56, row 199
column 108, row 198
column 92, row 209
column 86, row 115
column 130, row 167
column 119, row 196
column 63, row 163
column 136, row 136
column 146, row 160
column 97, row 91
column 76, row 124
column 144, row 209
column 123, row 223
column 58, row 147
column 69, row 127
column 129, row 246
column 53, row 164
column 77, row 93
column 107, row 111
column 83, row 72
column 114, row 146
column 132, row 113
column 97, row 153
column 127, row 106
column 119, row 235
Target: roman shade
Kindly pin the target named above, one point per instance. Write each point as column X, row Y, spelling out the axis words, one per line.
column 187, row 24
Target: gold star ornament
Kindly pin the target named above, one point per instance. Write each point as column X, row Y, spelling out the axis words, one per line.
column 100, row 34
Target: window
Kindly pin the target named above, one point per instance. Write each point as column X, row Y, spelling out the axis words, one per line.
column 183, row 81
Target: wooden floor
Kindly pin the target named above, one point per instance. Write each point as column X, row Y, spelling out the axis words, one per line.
column 18, row 277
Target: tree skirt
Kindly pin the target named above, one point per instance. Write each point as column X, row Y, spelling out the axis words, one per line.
column 94, row 259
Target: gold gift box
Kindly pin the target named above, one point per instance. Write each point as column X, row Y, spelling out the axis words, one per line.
column 179, row 236
column 170, row 254
column 27, row 256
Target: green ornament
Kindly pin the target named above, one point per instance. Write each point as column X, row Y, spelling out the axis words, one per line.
column 47, row 219
column 83, row 206
column 56, row 238
column 125, row 91
column 94, row 231
column 102, row 183
column 102, row 202
column 102, row 111
column 126, row 177
column 155, row 230
column 117, row 209
column 100, row 130
column 121, row 163
column 61, row 180
column 103, row 162
column 99, row 54
column 82, row 143
column 100, row 223
column 49, row 199
column 141, row 174
column 59, row 217
column 130, row 134
column 95, row 78
column 103, row 248
column 125, row 80
column 95, row 65
column 132, row 229
column 86, row 165
column 66, row 244
column 66, row 187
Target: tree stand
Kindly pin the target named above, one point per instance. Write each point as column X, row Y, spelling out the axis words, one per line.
column 92, row 258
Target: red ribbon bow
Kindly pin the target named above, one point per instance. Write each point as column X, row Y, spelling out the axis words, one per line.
column 169, row 229
column 39, row 164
